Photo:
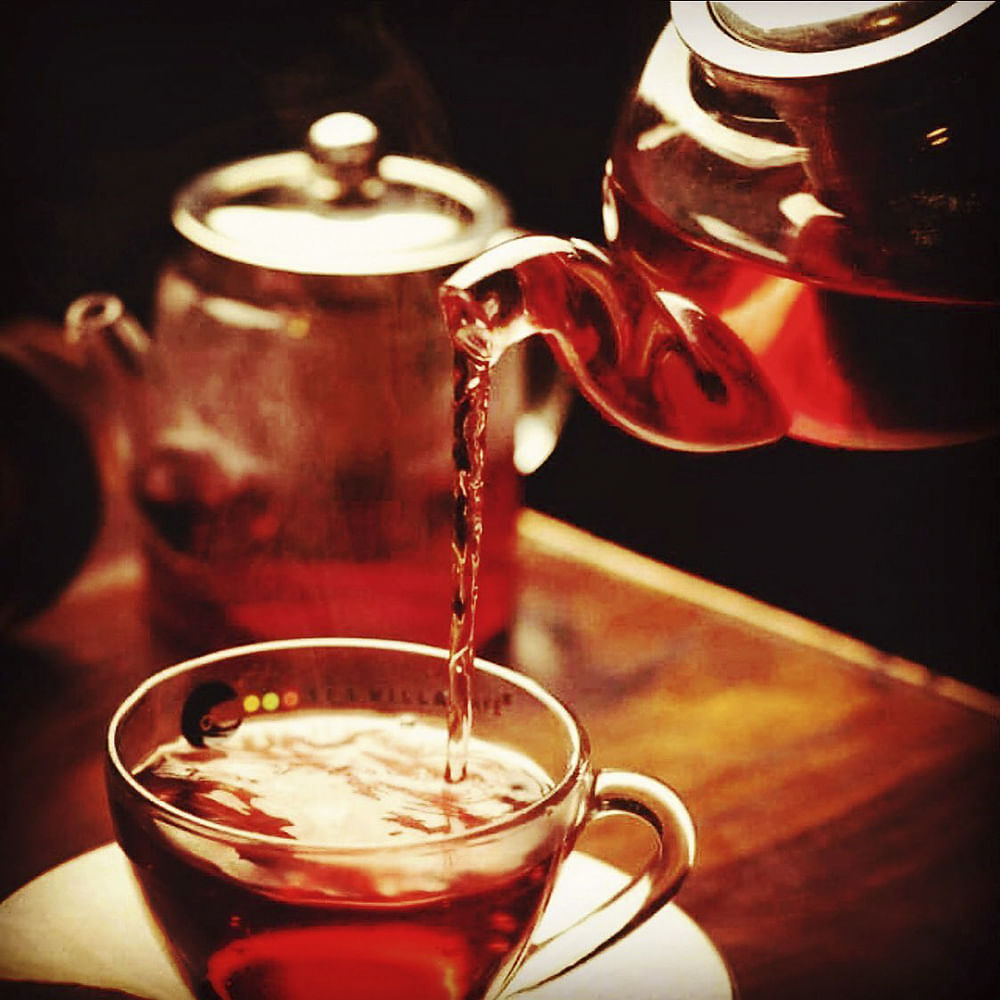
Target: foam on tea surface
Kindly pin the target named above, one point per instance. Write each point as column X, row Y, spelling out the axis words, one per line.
column 345, row 779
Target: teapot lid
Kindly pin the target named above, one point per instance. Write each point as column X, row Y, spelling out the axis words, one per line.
column 338, row 208
column 786, row 40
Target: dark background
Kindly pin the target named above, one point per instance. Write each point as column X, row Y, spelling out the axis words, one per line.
column 109, row 108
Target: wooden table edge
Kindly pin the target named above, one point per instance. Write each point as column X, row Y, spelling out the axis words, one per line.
column 561, row 539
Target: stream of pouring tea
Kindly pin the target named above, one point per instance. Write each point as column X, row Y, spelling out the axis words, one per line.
column 472, row 392
column 653, row 363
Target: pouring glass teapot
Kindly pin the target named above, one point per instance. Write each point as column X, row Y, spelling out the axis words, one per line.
column 802, row 214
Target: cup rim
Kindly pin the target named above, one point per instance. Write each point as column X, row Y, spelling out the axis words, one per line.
column 577, row 765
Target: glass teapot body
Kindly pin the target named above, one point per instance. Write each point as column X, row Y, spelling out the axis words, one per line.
column 294, row 465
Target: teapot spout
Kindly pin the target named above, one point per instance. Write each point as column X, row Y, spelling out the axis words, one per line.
column 101, row 325
column 651, row 362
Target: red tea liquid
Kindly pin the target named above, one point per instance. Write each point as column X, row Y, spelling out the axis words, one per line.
column 471, row 409
column 225, row 567
column 874, row 333
column 251, row 921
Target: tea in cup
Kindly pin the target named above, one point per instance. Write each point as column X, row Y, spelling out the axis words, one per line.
column 285, row 809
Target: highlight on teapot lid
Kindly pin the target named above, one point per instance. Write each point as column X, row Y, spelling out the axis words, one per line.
column 340, row 207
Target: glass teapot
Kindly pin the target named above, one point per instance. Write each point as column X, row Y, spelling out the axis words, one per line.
column 288, row 417
column 802, row 214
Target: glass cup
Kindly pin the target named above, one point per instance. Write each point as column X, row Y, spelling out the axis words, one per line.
column 288, row 870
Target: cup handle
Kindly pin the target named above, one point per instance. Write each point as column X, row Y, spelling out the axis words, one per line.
column 631, row 794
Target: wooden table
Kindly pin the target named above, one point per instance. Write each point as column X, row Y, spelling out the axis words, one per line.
column 846, row 801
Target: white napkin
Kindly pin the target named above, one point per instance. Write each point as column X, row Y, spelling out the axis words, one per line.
column 86, row 923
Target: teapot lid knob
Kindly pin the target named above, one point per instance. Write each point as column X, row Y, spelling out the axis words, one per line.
column 345, row 145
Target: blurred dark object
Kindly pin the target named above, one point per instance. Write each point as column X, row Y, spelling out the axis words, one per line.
column 66, row 397
column 50, row 496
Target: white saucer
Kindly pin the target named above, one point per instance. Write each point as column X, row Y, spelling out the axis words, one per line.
column 85, row 923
